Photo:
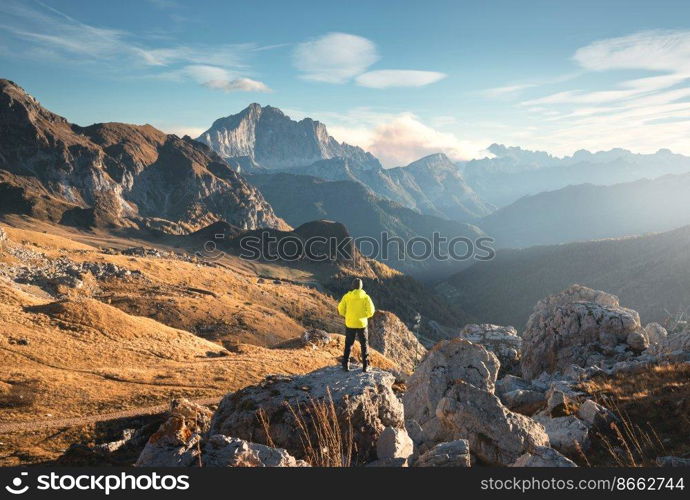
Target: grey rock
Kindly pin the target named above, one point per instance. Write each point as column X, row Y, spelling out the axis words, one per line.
column 673, row 462
column 225, row 451
column 524, row 401
column 578, row 326
column 394, row 443
column 543, row 456
column 568, row 434
column 496, row 435
column 655, row 333
column 503, row 341
column 510, row 383
column 451, row 454
column 390, row 336
column 366, row 400
column 595, row 415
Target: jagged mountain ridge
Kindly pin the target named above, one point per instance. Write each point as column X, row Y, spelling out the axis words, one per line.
column 116, row 174
column 264, row 140
column 273, row 140
column 513, row 172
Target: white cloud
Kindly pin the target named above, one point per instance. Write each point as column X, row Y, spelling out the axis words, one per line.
column 402, row 138
column 238, row 85
column 386, row 78
column 334, row 57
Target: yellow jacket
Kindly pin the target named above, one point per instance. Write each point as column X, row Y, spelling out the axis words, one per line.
column 356, row 306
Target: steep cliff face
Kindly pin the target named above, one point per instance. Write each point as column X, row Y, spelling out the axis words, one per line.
column 116, row 174
column 274, row 141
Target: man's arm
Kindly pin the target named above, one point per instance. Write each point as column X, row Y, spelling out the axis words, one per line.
column 370, row 309
column 342, row 306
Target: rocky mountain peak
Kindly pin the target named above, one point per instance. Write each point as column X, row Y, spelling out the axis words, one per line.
column 273, row 140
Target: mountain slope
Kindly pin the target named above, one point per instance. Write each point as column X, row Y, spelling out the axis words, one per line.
column 587, row 212
column 114, row 174
column 301, row 198
column 649, row 274
column 271, row 139
column 513, row 172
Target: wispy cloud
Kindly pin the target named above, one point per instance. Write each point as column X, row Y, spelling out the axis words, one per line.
column 48, row 34
column 334, row 57
column 642, row 113
column 342, row 57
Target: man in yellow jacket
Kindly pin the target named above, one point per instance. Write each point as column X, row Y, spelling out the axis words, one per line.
column 356, row 307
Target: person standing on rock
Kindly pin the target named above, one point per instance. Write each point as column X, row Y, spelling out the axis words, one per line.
column 356, row 307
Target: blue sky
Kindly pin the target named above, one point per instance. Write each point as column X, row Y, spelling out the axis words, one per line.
column 400, row 78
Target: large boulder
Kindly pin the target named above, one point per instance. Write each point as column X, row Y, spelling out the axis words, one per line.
column 447, row 362
column 224, row 451
column 177, row 441
column 581, row 327
column 503, row 341
column 364, row 401
column 451, row 396
column 497, row 436
column 390, row 336
column 543, row 457
column 394, row 443
column 452, row 454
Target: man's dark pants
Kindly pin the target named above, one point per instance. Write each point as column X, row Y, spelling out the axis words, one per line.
column 361, row 335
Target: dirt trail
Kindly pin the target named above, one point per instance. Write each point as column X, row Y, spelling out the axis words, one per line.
column 92, row 419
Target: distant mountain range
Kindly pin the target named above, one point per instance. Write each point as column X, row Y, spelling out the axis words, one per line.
column 513, row 172
column 264, row 140
column 114, row 174
column 302, row 198
column 588, row 212
column 650, row 274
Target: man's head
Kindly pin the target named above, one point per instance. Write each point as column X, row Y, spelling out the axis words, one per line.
column 357, row 284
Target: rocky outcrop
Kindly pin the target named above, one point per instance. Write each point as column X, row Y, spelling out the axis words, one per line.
column 503, row 341
column 177, row 441
column 581, row 327
column 451, row 396
column 390, row 336
column 364, row 401
column 452, row 454
column 543, row 456
column 224, row 451
column 675, row 347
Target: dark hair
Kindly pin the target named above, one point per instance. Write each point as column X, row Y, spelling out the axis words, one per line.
column 357, row 284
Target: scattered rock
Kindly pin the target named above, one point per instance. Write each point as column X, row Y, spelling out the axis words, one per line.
column 578, row 326
column 595, row 415
column 452, row 454
column 315, row 337
column 510, row 383
column 177, row 441
column 366, row 400
column 503, row 341
column 543, row 456
column 224, row 451
column 568, row 434
column 390, row 336
column 394, row 443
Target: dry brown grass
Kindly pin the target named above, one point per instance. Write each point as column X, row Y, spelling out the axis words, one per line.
column 653, row 411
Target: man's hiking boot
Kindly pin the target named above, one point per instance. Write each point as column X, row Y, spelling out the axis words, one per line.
column 346, row 367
